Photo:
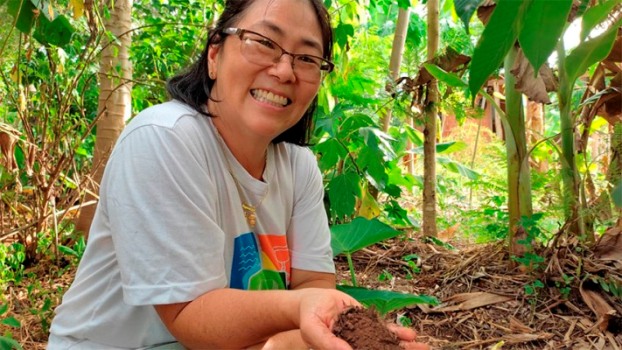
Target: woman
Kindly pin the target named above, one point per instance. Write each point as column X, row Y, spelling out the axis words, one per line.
column 210, row 232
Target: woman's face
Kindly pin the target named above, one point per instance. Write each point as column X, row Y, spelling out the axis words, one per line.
column 259, row 102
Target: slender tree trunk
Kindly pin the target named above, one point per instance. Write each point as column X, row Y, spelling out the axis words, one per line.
column 569, row 171
column 519, row 183
column 429, row 131
column 397, row 53
column 399, row 40
column 115, row 74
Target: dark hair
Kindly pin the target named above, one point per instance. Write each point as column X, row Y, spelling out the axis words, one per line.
column 193, row 86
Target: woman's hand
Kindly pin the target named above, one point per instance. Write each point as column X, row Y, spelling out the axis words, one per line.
column 407, row 338
column 319, row 309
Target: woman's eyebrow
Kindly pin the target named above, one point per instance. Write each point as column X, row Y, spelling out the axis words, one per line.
column 276, row 29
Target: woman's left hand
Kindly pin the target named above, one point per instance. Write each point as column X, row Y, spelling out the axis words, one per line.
column 407, row 338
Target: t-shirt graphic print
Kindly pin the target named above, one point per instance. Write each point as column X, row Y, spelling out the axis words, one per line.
column 260, row 262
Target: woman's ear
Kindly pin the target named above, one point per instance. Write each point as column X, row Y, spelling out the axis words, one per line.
column 212, row 60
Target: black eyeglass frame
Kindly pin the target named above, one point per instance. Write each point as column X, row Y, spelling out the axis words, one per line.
column 326, row 65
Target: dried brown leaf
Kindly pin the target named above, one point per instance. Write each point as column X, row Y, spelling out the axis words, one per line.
column 536, row 88
column 599, row 306
column 609, row 246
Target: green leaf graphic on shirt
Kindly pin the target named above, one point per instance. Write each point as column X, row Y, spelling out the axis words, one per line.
column 267, row 280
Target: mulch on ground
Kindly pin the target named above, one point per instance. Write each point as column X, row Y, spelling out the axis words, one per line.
column 487, row 302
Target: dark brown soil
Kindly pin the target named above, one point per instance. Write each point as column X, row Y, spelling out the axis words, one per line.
column 363, row 329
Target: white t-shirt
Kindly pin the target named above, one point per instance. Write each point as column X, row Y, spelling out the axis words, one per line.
column 170, row 227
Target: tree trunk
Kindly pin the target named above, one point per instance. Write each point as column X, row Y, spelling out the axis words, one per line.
column 399, row 40
column 115, row 74
column 429, row 131
column 569, row 171
column 519, row 182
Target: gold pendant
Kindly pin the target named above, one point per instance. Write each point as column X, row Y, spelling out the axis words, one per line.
column 249, row 213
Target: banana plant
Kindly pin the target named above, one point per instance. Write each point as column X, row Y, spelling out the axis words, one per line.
column 538, row 26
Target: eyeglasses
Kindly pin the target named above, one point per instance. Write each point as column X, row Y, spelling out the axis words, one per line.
column 262, row 50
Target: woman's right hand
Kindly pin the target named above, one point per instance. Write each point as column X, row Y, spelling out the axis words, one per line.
column 319, row 309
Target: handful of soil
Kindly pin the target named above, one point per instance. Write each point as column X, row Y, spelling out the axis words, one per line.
column 364, row 330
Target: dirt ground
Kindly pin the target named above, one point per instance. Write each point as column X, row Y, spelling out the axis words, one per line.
column 486, row 302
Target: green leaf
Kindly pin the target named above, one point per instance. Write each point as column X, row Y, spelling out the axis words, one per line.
column 11, row 321
column 9, row 343
column 447, row 147
column 372, row 162
column 358, row 234
column 329, row 152
column 415, row 136
column 4, row 308
column 448, row 78
column 403, row 4
column 24, row 10
column 342, row 33
column 342, row 193
column 595, row 15
column 67, row 251
column 458, row 168
column 465, row 10
column 48, row 30
column 58, row 32
column 616, row 194
column 496, row 40
column 386, row 301
column 543, row 25
column 590, row 52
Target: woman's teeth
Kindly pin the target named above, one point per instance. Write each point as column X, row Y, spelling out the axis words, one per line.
column 269, row 97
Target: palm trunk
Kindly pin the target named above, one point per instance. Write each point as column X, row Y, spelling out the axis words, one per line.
column 114, row 99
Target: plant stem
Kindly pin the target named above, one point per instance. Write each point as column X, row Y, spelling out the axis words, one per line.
column 351, row 267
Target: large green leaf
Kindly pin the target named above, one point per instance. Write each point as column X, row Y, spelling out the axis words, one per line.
column 342, row 34
column 49, row 29
column 458, row 168
column 342, row 193
column 595, row 15
column 441, row 75
column 543, row 25
column 386, row 301
column 465, row 10
column 7, row 343
column 590, row 52
column 496, row 40
column 58, row 32
column 358, row 234
column 329, row 152
column 23, row 11
column 371, row 160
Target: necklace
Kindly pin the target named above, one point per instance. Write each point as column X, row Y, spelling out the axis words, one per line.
column 250, row 210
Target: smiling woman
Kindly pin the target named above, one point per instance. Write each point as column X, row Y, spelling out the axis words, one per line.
column 210, row 231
